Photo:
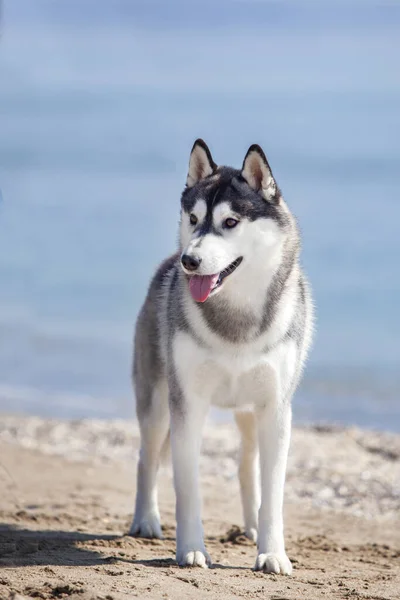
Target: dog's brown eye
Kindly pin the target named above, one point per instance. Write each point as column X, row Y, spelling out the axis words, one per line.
column 230, row 223
column 193, row 219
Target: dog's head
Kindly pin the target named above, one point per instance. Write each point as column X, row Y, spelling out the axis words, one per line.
column 232, row 221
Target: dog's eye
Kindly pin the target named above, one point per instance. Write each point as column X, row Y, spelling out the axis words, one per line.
column 193, row 219
column 230, row 223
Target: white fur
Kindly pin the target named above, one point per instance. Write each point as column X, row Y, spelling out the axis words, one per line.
column 186, row 229
column 221, row 212
column 146, row 522
column 259, row 243
column 228, row 376
column 274, row 425
column 185, row 443
column 249, row 472
column 239, row 380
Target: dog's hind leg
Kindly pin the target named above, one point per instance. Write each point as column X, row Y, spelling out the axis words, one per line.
column 249, row 475
column 154, row 428
column 274, row 425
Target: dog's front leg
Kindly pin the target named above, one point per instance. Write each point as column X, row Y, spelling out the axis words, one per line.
column 187, row 419
column 274, row 426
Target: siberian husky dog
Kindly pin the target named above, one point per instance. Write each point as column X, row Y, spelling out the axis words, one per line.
column 227, row 322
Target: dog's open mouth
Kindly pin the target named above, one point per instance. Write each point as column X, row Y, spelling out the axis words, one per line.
column 201, row 286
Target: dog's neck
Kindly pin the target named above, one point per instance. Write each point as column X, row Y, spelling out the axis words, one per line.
column 246, row 305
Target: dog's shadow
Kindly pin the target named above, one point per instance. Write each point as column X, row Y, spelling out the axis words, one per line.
column 23, row 547
column 157, row 563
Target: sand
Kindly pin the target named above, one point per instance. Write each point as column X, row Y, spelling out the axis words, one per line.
column 67, row 494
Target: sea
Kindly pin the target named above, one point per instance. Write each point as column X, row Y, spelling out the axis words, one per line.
column 100, row 103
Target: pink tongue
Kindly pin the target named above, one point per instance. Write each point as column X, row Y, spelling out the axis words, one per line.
column 201, row 285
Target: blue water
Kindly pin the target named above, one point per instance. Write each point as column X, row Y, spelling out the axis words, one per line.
column 100, row 103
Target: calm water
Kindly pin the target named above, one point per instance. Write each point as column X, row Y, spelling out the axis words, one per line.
column 99, row 105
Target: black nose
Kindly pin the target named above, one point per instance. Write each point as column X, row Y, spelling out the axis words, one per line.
column 191, row 263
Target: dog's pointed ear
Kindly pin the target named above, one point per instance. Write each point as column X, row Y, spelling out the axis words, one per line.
column 201, row 163
column 257, row 172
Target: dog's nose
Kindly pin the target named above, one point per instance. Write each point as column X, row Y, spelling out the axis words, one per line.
column 191, row 263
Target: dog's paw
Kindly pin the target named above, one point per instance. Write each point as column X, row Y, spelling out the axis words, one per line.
column 146, row 527
column 251, row 534
column 273, row 563
column 194, row 558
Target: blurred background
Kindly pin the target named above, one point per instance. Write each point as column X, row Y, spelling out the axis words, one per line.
column 100, row 103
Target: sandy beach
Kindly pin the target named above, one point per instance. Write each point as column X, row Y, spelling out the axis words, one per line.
column 68, row 494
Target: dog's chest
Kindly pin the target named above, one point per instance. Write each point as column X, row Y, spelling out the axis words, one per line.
column 233, row 378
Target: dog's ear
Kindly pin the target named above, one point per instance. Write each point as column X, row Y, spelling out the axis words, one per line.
column 201, row 164
column 257, row 172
